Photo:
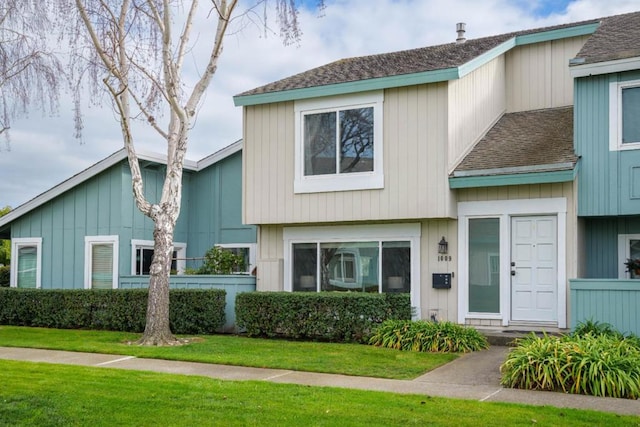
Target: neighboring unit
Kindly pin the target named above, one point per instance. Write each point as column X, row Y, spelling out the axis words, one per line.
column 448, row 172
column 88, row 233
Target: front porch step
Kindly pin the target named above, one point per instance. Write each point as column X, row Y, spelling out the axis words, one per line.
column 507, row 337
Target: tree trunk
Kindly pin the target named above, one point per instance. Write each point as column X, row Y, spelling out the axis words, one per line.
column 157, row 331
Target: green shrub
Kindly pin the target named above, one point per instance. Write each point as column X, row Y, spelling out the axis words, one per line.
column 191, row 311
column 428, row 336
column 5, row 272
column 598, row 365
column 218, row 260
column 327, row 316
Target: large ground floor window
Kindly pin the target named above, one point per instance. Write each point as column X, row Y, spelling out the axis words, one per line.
column 383, row 258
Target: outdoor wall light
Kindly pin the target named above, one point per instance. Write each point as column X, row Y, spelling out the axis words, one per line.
column 443, row 246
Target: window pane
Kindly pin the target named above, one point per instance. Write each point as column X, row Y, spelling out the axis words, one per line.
column 305, row 263
column 631, row 115
column 634, row 249
column 27, row 266
column 102, row 266
column 349, row 266
column 356, row 140
column 484, row 265
column 320, row 144
column 396, row 266
column 244, row 252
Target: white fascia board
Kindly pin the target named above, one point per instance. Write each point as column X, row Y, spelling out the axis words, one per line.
column 219, row 155
column 607, row 67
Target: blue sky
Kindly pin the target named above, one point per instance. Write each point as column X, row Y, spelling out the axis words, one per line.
column 44, row 152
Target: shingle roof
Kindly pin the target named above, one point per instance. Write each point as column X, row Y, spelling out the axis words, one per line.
column 398, row 63
column 540, row 140
column 617, row 37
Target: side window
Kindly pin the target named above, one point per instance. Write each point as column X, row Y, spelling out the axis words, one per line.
column 101, row 262
column 142, row 255
column 26, row 262
column 624, row 110
column 246, row 250
column 628, row 248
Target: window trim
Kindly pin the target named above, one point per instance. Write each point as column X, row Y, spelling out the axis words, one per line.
column 624, row 252
column 347, row 181
column 615, row 116
column 252, row 253
column 179, row 247
column 16, row 244
column 361, row 233
column 89, row 241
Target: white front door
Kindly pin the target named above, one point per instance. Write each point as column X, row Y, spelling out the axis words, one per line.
column 534, row 264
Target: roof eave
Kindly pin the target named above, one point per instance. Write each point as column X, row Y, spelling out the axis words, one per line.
column 433, row 76
column 524, row 178
column 605, row 67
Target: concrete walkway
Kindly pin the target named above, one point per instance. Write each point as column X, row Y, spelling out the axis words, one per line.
column 472, row 376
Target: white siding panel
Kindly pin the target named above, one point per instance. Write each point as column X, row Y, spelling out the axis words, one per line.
column 538, row 74
column 476, row 101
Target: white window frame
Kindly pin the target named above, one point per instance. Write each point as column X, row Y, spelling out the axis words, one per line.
column 179, row 247
column 252, row 252
column 504, row 210
column 346, row 181
column 624, row 252
column 358, row 233
column 16, row 244
column 89, row 241
column 615, row 116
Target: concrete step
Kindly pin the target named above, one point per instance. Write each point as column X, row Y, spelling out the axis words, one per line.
column 508, row 337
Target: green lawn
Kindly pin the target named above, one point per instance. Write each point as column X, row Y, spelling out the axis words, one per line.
column 348, row 359
column 60, row 395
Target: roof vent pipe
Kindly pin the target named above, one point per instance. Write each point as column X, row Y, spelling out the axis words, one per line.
column 460, row 29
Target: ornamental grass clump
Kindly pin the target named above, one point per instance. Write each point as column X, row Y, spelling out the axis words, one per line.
column 427, row 336
column 597, row 365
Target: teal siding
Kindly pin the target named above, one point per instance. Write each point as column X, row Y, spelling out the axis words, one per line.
column 211, row 213
column 215, row 208
column 609, row 181
column 611, row 301
column 233, row 285
column 601, row 240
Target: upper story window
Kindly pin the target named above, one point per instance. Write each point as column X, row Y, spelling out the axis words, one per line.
column 624, row 115
column 339, row 143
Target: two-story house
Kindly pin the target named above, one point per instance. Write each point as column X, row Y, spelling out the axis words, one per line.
column 448, row 172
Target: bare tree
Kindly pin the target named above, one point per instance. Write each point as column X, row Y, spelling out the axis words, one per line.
column 29, row 73
column 137, row 49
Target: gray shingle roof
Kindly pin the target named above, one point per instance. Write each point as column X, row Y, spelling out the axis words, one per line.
column 617, row 37
column 397, row 63
column 538, row 140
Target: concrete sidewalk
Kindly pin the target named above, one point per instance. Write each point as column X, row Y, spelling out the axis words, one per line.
column 473, row 376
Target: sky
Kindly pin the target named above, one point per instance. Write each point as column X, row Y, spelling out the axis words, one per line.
column 43, row 151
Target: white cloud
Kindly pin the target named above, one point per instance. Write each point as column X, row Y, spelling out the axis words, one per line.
column 44, row 152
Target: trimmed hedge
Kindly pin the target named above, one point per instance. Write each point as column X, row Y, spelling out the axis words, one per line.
column 191, row 311
column 4, row 276
column 325, row 316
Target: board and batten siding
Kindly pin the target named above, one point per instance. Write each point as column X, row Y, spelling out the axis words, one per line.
column 609, row 180
column 476, row 102
column 415, row 165
column 214, row 208
column 537, row 75
column 601, row 244
column 100, row 206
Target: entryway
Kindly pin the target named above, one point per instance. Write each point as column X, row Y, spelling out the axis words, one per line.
column 534, row 264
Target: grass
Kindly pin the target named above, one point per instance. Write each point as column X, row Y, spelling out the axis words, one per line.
column 347, row 359
column 60, row 395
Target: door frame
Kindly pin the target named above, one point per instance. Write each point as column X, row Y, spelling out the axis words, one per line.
column 504, row 210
